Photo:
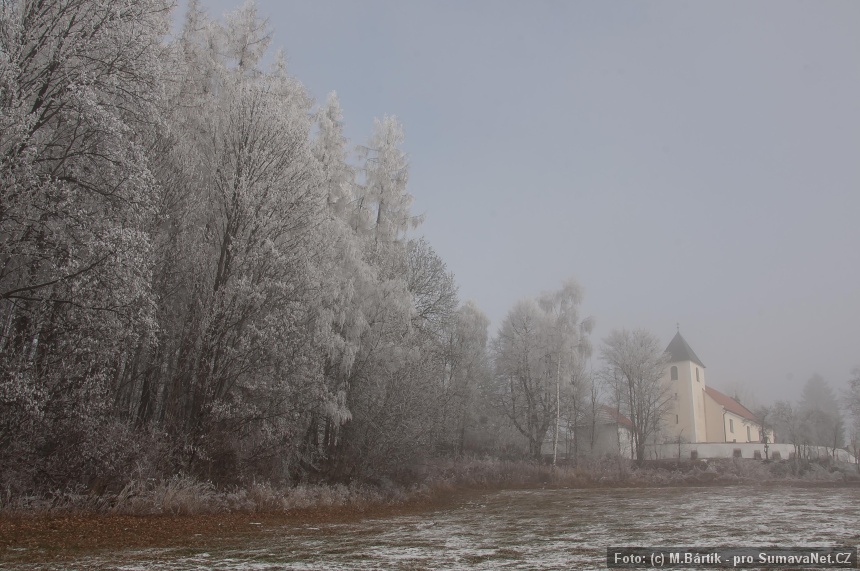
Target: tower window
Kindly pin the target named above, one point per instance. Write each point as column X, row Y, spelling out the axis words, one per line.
column 674, row 372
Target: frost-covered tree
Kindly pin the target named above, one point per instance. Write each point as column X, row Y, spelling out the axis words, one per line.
column 247, row 364
column 241, row 244
column 340, row 318
column 579, row 410
column 383, row 195
column 635, row 364
column 526, row 388
column 764, row 420
column 189, row 279
column 852, row 406
column 80, row 106
column 466, row 370
column 537, row 353
column 432, row 287
column 389, row 304
column 791, row 427
column 330, row 149
column 821, row 414
column 395, row 385
column 570, row 337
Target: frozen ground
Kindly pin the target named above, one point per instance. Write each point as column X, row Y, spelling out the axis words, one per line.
column 535, row 529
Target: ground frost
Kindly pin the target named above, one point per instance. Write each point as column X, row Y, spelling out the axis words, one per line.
column 543, row 529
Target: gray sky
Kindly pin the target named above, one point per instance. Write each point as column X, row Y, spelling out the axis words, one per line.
column 687, row 162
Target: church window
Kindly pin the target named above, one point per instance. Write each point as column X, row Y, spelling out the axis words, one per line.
column 697, row 374
column 731, row 425
column 676, row 419
column 674, row 373
column 749, row 438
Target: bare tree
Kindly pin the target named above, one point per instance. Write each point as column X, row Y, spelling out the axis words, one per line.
column 471, row 365
column 537, row 351
column 821, row 416
column 852, row 405
column 764, row 423
column 579, row 408
column 789, row 424
column 526, row 392
column 635, row 365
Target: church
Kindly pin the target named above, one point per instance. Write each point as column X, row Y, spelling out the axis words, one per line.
column 700, row 413
column 699, row 420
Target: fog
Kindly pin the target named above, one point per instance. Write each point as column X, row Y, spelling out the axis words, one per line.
column 691, row 164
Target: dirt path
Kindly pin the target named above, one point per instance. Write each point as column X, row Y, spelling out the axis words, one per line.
column 80, row 533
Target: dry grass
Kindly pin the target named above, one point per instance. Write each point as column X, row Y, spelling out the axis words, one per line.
column 183, row 495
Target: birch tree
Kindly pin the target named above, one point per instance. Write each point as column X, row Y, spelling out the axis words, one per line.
column 572, row 346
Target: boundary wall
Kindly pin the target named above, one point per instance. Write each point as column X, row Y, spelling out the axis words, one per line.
column 708, row 450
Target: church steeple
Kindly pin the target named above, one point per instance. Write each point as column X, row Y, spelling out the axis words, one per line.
column 679, row 350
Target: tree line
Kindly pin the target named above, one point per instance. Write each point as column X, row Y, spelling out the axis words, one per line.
column 822, row 417
column 199, row 274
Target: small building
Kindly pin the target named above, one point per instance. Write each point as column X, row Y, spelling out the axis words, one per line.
column 607, row 431
column 613, row 434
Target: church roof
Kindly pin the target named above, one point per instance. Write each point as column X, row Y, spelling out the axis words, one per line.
column 679, row 350
column 616, row 416
column 608, row 415
column 730, row 404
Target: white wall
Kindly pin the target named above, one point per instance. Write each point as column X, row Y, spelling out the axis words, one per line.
column 726, row 450
column 689, row 406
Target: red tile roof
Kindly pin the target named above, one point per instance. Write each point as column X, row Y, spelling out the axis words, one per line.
column 731, row 404
column 608, row 415
column 616, row 416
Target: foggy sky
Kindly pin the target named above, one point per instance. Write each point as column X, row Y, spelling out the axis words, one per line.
column 693, row 163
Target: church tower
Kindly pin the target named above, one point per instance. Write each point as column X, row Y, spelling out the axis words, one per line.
column 686, row 377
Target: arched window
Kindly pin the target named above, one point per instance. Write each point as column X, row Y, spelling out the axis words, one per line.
column 674, row 372
column 697, row 374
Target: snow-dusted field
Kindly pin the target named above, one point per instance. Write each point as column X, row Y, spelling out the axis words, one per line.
column 535, row 529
